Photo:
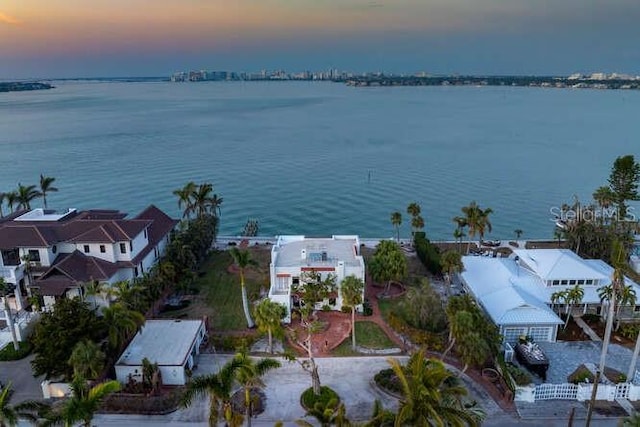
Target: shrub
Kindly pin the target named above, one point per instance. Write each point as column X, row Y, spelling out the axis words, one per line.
column 326, row 307
column 581, row 375
column 428, row 253
column 9, row 353
column 421, row 308
column 520, row 376
column 367, row 310
column 346, row 309
column 126, row 403
column 308, row 399
column 231, row 342
column 429, row 340
column 591, row 318
column 630, row 331
column 387, row 380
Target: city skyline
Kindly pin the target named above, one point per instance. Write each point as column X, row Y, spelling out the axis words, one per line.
column 139, row 38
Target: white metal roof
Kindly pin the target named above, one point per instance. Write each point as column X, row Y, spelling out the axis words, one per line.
column 490, row 281
column 165, row 342
column 558, row 264
column 510, row 292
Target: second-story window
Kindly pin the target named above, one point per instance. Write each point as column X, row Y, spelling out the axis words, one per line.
column 86, row 249
column 123, row 248
column 103, row 249
column 34, row 255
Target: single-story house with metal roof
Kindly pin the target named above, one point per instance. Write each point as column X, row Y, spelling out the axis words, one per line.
column 173, row 344
column 516, row 292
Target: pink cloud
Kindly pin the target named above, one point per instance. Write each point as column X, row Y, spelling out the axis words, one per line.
column 6, row 19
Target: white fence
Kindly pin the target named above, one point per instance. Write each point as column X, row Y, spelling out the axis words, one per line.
column 580, row 392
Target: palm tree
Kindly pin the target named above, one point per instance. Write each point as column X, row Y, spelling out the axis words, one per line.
column 218, row 387
column 557, row 297
column 396, row 220
column 184, row 195
column 332, row 413
column 46, row 187
column 458, row 234
column 604, row 197
column 417, row 223
column 477, row 220
column 4, row 293
column 87, row 360
column 351, row 290
column 3, row 196
column 249, row 375
column 12, row 199
column 431, row 395
column 574, row 296
column 82, row 404
column 242, row 259
column 269, row 315
column 619, row 261
column 518, row 233
column 26, row 194
column 121, row 323
column 451, row 262
column 460, row 323
column 414, row 209
column 10, row 415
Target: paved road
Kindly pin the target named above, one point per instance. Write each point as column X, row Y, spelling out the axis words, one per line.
column 23, row 383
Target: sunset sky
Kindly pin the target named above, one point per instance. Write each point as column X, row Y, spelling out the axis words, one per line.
column 88, row 38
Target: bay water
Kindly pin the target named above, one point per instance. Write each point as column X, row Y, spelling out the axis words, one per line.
column 320, row 158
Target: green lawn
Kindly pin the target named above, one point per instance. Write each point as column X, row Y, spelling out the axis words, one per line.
column 219, row 295
column 368, row 335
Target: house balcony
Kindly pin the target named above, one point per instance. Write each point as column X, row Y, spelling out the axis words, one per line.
column 13, row 273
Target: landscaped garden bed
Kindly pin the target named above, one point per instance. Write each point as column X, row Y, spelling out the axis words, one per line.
column 368, row 336
column 308, row 399
column 9, row 353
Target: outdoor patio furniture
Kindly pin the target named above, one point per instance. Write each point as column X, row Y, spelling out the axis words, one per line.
column 531, row 356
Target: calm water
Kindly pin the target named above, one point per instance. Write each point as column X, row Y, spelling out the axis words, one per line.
column 320, row 158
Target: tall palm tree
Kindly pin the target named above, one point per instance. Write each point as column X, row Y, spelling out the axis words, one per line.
column 460, row 322
column 269, row 315
column 414, row 209
column 3, row 196
column 451, row 262
column 4, row 293
column 87, row 360
column 12, row 199
column 26, row 194
column 458, row 234
column 83, row 403
column 46, row 186
column 249, row 375
column 619, row 261
column 331, row 413
column 184, row 195
column 573, row 297
column 351, row 290
column 218, row 387
column 396, row 221
column 122, row 323
column 242, row 259
column 431, row 395
column 477, row 220
column 518, row 233
column 417, row 223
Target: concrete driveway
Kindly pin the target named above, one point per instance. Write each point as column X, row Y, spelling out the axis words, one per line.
column 350, row 377
column 23, row 383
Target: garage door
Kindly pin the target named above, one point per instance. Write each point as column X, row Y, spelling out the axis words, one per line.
column 540, row 333
column 511, row 335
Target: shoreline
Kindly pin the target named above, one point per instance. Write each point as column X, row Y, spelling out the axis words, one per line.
column 224, row 241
